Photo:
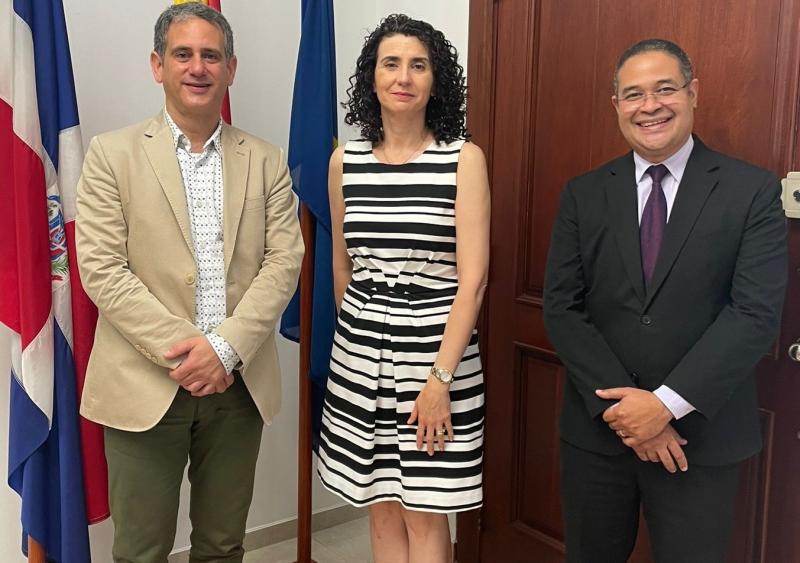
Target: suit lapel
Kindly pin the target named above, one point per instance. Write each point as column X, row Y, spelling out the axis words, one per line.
column 235, row 166
column 160, row 150
column 623, row 208
column 699, row 180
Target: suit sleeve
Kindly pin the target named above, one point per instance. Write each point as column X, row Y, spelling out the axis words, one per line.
column 732, row 345
column 262, row 304
column 590, row 362
column 101, row 235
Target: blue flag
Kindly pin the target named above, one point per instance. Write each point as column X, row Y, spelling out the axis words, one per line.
column 312, row 138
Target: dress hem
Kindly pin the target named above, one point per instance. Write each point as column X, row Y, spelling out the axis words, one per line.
column 394, row 497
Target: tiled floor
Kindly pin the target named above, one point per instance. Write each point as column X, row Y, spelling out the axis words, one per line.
column 345, row 543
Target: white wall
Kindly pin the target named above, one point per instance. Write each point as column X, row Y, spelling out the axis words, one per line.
column 110, row 43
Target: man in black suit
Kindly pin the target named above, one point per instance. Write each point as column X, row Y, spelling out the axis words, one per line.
column 664, row 286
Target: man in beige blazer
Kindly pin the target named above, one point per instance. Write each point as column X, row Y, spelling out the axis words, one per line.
column 188, row 243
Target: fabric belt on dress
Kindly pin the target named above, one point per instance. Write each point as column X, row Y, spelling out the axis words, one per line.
column 404, row 291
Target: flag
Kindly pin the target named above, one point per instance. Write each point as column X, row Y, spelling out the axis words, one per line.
column 226, row 102
column 41, row 299
column 312, row 138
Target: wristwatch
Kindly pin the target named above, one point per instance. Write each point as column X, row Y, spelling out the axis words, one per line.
column 443, row 375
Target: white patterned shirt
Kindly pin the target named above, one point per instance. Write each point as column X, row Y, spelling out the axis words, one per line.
column 202, row 180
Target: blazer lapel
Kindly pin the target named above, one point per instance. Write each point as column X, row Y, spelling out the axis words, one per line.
column 698, row 181
column 160, row 150
column 235, row 166
column 623, row 208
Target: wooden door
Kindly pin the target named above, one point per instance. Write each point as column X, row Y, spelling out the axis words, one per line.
column 540, row 86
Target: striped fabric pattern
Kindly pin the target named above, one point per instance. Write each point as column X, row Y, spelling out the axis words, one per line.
column 399, row 226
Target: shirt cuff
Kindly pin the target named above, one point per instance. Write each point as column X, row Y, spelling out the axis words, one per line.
column 677, row 405
column 225, row 352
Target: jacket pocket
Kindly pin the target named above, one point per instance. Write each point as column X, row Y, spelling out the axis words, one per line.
column 254, row 203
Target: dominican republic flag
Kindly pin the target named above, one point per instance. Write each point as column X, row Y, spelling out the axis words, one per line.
column 312, row 138
column 41, row 299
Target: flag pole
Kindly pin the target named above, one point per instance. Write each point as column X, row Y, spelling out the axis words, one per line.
column 304, row 442
column 36, row 552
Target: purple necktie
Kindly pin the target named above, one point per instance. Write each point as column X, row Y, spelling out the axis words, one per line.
column 654, row 220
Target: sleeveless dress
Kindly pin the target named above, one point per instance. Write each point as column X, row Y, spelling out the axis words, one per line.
column 399, row 225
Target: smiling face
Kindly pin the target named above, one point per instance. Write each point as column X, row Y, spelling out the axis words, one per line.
column 403, row 75
column 655, row 127
column 194, row 71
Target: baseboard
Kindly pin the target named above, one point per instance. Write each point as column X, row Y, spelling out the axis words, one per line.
column 277, row 532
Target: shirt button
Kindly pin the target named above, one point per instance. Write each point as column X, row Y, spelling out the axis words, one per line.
column 646, row 320
column 202, row 245
column 198, row 203
column 189, row 279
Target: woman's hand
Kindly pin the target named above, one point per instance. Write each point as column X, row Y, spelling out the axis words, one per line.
column 432, row 414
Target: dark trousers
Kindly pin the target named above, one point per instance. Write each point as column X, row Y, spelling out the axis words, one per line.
column 689, row 515
column 220, row 436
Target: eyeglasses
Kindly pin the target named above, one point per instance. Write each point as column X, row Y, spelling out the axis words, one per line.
column 636, row 98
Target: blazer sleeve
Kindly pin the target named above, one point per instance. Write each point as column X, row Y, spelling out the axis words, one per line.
column 257, row 313
column 101, row 238
column 727, row 352
column 590, row 362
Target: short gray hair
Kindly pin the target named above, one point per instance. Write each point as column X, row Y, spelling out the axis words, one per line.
column 182, row 12
column 660, row 45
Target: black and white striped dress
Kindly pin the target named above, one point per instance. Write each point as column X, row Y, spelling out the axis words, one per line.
column 399, row 225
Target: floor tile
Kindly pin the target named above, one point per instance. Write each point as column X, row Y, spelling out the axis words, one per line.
column 349, row 541
column 346, row 543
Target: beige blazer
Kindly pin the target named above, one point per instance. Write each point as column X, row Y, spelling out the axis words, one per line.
column 134, row 247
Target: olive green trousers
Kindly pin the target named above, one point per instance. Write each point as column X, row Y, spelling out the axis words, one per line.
column 220, row 436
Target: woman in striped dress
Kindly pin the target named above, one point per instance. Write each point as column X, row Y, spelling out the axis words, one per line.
column 403, row 419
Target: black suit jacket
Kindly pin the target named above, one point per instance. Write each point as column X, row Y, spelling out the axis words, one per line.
column 710, row 313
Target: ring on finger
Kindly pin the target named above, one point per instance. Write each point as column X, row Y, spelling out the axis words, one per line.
column 440, row 431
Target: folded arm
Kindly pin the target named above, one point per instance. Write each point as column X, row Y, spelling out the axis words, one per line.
column 590, row 362
column 729, row 349
column 122, row 299
column 257, row 313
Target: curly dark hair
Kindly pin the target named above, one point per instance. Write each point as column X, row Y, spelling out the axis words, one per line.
column 446, row 110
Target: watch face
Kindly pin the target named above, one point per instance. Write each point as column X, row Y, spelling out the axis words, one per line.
column 442, row 375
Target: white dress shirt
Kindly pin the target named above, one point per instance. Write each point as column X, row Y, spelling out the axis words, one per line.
column 676, row 165
column 202, row 180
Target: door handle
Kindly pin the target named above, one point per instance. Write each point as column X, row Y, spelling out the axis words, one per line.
column 791, row 196
column 794, row 351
